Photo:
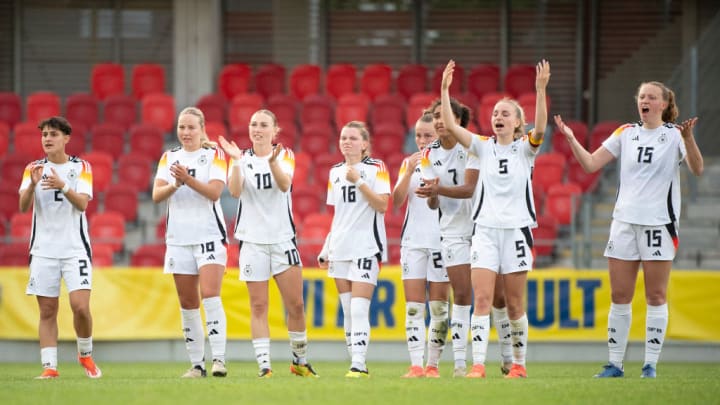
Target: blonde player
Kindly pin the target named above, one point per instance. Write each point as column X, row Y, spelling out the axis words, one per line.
column 191, row 178
column 359, row 189
column 503, row 214
column 644, row 229
column 261, row 177
column 59, row 188
column 421, row 261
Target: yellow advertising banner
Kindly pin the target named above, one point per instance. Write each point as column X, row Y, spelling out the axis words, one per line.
column 563, row 305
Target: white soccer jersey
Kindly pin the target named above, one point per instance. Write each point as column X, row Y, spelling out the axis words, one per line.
column 504, row 197
column 421, row 228
column 264, row 213
column 449, row 166
column 59, row 230
column 649, row 190
column 192, row 218
column 358, row 231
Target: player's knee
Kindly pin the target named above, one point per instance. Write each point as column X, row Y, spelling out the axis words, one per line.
column 439, row 309
column 655, row 298
column 259, row 307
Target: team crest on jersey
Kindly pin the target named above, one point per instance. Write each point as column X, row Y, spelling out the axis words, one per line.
column 663, row 138
column 405, row 268
column 461, row 155
column 363, row 175
column 448, row 254
column 610, row 246
column 247, row 270
column 202, row 160
column 171, row 263
column 72, row 174
column 474, row 256
column 514, row 148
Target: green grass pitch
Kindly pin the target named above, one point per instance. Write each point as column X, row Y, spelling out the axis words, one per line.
column 548, row 383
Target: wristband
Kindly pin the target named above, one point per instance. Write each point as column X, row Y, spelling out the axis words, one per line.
column 174, row 185
column 65, row 188
column 359, row 183
column 237, row 163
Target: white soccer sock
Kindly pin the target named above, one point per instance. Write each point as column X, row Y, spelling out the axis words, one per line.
column 519, row 336
column 360, row 310
column 85, row 346
column 347, row 320
column 437, row 334
column 298, row 345
column 459, row 323
column 619, row 319
column 262, row 352
column 480, row 333
column 415, row 331
column 655, row 327
column 216, row 326
column 502, row 325
column 194, row 336
column 48, row 357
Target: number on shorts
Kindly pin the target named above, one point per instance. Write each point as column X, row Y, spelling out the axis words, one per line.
column 654, row 237
column 520, row 248
column 207, row 247
column 437, row 260
column 82, row 264
column 293, row 257
column 364, row 264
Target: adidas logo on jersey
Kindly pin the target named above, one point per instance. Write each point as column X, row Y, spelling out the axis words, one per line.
column 366, row 276
column 522, row 263
column 413, row 339
column 657, row 253
column 211, row 257
column 250, row 166
column 437, row 163
column 611, row 340
column 636, row 138
column 477, row 338
column 85, row 282
column 213, row 332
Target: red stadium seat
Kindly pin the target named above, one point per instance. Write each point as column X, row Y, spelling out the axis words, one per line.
column 92, row 208
column 483, row 112
column 234, row 79
column 483, row 79
column 28, row 140
column 78, row 141
column 102, row 255
column 108, row 228
column 412, row 79
column 152, row 255
column 10, row 108
column 241, row 136
column 519, row 79
column 102, row 169
column 527, row 103
column 316, row 139
column 417, row 106
column 388, row 139
column 307, row 199
column 12, row 168
column 9, row 199
column 15, row 254
column 457, row 85
column 600, row 132
column 213, row 106
column 388, row 109
column 563, row 201
column 270, row 80
column 560, row 143
column 317, row 108
column 109, row 138
column 305, row 80
column 82, row 109
column 352, row 107
column 284, row 106
column 323, row 164
column 287, row 135
column 303, row 163
column 107, row 79
column 393, row 161
column 340, row 79
column 160, row 229
column 376, row 80
column 147, row 139
column 319, row 220
column 468, row 100
column 120, row 109
column 4, row 138
column 214, row 129
column 544, row 236
column 122, row 198
column 158, row 109
column 147, row 78
column 135, row 169
column 588, row 182
column 549, row 170
column 21, row 224
column 311, row 240
column 42, row 105
column 242, row 107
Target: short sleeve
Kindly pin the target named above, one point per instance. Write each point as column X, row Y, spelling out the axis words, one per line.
column 287, row 162
column 85, row 180
column 382, row 179
column 218, row 171
column 25, row 183
column 612, row 143
column 162, row 169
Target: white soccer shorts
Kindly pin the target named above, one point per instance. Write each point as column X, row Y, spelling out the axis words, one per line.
column 260, row 262
column 189, row 259
column 642, row 242
column 422, row 263
column 45, row 275
column 503, row 251
column 363, row 270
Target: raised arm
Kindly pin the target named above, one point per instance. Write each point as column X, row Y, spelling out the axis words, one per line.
column 235, row 177
column 449, row 121
column 282, row 179
column 542, row 77
column 694, row 157
column 589, row 162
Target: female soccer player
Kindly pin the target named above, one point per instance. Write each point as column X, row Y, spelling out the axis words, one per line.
column 644, row 228
column 191, row 178
column 261, row 178
column 59, row 188
column 503, row 213
column 359, row 189
column 421, row 260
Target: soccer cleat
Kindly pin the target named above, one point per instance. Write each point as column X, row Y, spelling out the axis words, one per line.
column 195, row 372
column 218, row 368
column 505, row 368
column 432, row 372
column 414, row 372
column 303, row 370
column 48, row 374
column 459, row 372
column 357, row 373
column 610, row 371
column 648, row 371
column 517, row 371
column 477, row 371
column 91, row 370
column 265, row 373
